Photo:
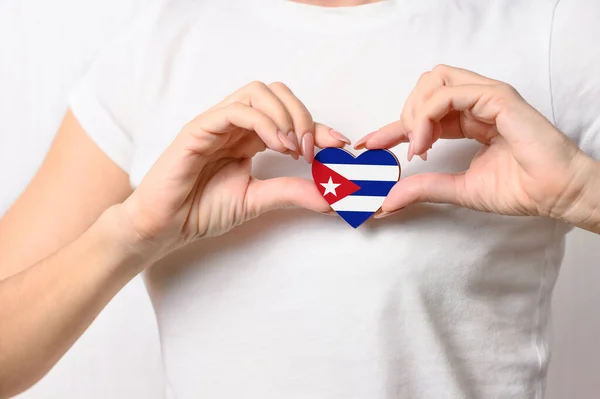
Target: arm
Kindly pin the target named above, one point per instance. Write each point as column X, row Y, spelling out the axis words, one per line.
column 60, row 259
column 46, row 307
column 575, row 87
column 104, row 241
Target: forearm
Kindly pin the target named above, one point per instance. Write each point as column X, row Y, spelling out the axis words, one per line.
column 45, row 308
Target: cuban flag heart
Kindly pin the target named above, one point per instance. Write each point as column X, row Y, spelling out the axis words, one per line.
column 355, row 188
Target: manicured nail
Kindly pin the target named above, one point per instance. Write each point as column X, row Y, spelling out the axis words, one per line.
column 424, row 156
column 360, row 144
column 293, row 138
column 411, row 151
column 338, row 136
column 385, row 214
column 308, row 147
column 289, row 144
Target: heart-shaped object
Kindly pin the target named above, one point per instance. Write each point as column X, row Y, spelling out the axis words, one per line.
column 355, row 188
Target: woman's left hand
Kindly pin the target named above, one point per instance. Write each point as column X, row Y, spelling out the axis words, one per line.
column 525, row 167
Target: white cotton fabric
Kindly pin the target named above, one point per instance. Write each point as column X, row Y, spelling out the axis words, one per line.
column 435, row 302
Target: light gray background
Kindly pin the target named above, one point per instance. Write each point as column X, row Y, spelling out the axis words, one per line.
column 45, row 46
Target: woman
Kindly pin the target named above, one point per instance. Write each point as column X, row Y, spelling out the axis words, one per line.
column 438, row 301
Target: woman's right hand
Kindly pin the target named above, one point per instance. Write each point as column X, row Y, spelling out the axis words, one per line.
column 79, row 255
column 201, row 185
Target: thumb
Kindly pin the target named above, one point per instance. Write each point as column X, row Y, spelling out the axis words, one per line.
column 441, row 188
column 284, row 192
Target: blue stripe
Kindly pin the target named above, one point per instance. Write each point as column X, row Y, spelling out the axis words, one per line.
column 371, row 157
column 373, row 188
column 354, row 219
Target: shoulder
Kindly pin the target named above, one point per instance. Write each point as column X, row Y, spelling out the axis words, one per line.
column 127, row 76
column 574, row 38
column 575, row 71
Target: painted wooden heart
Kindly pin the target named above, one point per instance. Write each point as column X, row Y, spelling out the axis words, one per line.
column 355, row 187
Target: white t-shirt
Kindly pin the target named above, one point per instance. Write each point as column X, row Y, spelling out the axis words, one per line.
column 435, row 302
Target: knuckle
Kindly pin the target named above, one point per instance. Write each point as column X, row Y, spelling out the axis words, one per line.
column 256, row 85
column 406, row 114
column 192, row 125
column 506, row 97
column 278, row 86
column 424, row 77
column 441, row 69
column 507, row 92
column 187, row 128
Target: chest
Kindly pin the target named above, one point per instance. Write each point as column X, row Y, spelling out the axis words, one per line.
column 354, row 82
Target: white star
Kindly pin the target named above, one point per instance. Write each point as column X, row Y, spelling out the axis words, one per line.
column 330, row 187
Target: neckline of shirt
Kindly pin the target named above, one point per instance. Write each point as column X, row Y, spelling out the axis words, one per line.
column 312, row 19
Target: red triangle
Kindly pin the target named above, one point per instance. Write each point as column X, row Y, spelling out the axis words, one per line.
column 322, row 174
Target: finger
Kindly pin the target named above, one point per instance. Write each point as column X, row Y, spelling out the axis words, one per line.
column 441, row 188
column 479, row 100
column 307, row 133
column 401, row 131
column 497, row 109
column 260, row 96
column 247, row 147
column 328, row 137
column 220, row 121
column 394, row 133
column 413, row 100
column 441, row 76
column 385, row 137
column 447, row 75
column 302, row 132
column 429, row 82
column 284, row 192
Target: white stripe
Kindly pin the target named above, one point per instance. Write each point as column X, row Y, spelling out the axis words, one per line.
column 366, row 172
column 358, row 203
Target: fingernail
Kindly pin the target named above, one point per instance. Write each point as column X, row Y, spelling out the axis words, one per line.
column 411, row 152
column 385, row 214
column 360, row 144
column 329, row 213
column 293, row 138
column 287, row 142
column 338, row 136
column 308, row 147
column 424, row 156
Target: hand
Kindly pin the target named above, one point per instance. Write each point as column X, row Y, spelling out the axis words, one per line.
column 525, row 166
column 201, row 185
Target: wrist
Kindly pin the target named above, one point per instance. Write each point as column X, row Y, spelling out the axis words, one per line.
column 131, row 253
column 592, row 198
column 584, row 212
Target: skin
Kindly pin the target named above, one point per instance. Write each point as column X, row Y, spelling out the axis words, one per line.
column 526, row 167
column 84, row 243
